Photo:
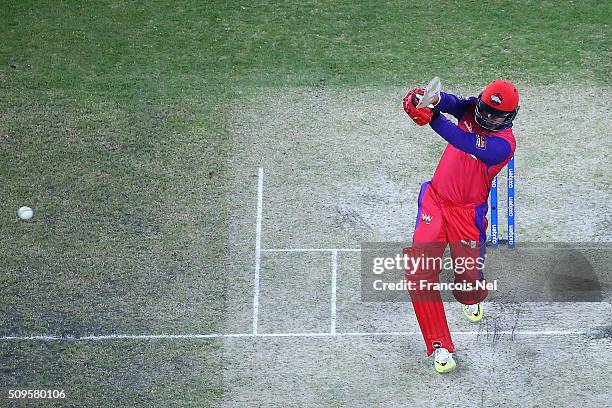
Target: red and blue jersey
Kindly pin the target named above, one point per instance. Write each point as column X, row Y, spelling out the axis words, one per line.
column 474, row 155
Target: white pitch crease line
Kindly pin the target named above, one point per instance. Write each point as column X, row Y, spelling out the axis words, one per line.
column 334, row 266
column 263, row 335
column 258, row 248
column 127, row 337
column 311, row 250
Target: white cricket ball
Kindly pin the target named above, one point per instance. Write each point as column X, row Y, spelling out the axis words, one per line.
column 25, row 213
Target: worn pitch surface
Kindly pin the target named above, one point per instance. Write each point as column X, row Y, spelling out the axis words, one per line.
column 337, row 173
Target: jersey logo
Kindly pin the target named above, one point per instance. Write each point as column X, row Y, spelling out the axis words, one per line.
column 481, row 142
column 426, row 218
column 467, row 125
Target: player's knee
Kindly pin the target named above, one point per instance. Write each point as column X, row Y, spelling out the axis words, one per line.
column 420, row 276
column 423, row 261
column 410, row 255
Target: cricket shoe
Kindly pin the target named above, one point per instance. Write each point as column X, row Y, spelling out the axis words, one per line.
column 473, row 312
column 443, row 361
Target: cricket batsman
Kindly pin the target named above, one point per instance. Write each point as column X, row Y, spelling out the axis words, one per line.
column 452, row 206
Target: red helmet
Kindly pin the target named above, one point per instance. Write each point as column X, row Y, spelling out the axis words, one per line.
column 497, row 105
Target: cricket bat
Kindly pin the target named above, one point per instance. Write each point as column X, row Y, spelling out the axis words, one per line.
column 431, row 91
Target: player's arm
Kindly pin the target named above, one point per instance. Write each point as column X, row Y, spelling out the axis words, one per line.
column 449, row 103
column 493, row 150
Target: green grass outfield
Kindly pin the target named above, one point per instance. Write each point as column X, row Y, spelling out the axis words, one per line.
column 113, row 128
